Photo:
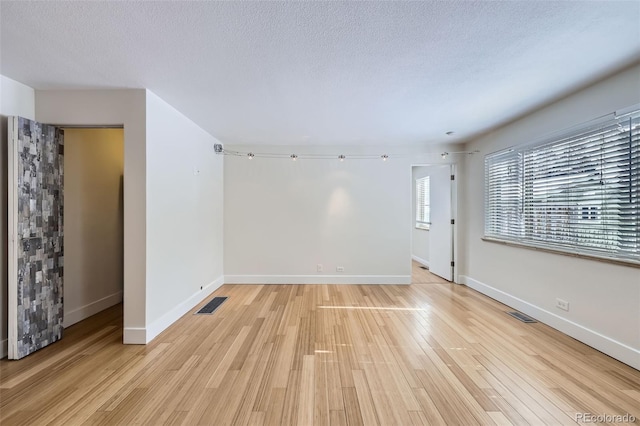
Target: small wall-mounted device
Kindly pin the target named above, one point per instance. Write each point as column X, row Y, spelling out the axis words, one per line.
column 217, row 148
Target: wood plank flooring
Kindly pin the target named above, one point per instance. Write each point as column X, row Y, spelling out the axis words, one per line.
column 428, row 354
column 423, row 276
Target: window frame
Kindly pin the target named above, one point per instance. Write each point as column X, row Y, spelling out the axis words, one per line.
column 512, row 225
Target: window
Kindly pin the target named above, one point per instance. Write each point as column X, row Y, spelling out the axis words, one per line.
column 577, row 194
column 423, row 210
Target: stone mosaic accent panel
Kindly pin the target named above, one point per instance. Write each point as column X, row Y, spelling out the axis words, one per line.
column 40, row 254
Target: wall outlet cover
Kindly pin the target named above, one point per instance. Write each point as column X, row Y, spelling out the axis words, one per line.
column 562, row 304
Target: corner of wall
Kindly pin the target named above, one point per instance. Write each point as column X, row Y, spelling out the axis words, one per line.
column 162, row 323
column 16, row 98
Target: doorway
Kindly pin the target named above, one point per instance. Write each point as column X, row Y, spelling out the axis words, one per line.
column 40, row 305
column 433, row 216
column 93, row 221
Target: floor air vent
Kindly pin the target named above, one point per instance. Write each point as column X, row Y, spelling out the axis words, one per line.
column 210, row 307
column 522, row 317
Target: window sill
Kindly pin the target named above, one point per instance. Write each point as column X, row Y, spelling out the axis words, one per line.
column 630, row 263
column 422, row 228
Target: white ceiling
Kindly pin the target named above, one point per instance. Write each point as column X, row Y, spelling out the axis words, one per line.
column 379, row 73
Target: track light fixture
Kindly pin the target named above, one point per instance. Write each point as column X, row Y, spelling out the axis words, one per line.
column 445, row 154
column 341, row 157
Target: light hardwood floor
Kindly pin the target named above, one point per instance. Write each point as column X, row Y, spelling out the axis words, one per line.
column 435, row 353
column 423, row 276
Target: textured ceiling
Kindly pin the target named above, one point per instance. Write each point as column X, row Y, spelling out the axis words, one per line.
column 325, row 73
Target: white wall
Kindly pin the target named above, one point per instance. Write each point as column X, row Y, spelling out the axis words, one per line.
column 15, row 99
column 93, row 221
column 283, row 218
column 184, row 215
column 604, row 298
column 420, row 237
column 123, row 108
column 172, row 217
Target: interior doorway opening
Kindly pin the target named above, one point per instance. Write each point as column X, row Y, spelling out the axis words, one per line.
column 93, row 221
column 433, row 218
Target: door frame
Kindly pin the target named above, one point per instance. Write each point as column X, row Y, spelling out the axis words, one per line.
column 454, row 214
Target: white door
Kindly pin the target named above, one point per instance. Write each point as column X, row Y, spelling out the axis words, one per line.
column 441, row 229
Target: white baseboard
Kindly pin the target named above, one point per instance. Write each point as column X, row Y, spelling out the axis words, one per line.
column 420, row 260
column 317, row 279
column 134, row 336
column 162, row 323
column 607, row 345
column 84, row 312
column 3, row 348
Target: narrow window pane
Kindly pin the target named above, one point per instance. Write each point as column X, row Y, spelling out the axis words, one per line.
column 423, row 209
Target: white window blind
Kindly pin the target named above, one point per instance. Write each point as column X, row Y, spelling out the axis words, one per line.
column 578, row 194
column 423, row 209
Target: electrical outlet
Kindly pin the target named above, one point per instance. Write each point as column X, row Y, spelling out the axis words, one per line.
column 319, row 267
column 562, row 304
column 339, row 268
